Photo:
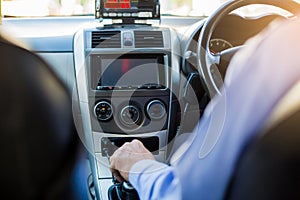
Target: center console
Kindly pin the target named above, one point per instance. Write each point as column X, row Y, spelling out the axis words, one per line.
column 127, row 80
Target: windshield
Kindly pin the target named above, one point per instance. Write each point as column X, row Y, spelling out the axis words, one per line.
column 37, row 8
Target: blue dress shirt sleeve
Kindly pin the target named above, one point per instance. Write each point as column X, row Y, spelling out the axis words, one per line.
column 145, row 173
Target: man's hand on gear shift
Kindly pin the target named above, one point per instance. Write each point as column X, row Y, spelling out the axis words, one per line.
column 126, row 156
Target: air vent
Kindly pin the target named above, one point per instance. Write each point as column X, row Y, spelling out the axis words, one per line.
column 144, row 39
column 106, row 39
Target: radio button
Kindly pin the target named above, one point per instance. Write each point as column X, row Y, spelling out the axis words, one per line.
column 103, row 111
column 112, row 14
column 130, row 115
column 156, row 110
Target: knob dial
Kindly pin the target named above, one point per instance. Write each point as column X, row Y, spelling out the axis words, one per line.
column 156, row 109
column 103, row 111
column 130, row 115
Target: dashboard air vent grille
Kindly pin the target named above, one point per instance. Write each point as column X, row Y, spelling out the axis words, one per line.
column 106, row 39
column 144, row 39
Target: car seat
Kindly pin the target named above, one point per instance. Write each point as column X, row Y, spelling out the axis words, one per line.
column 39, row 145
column 269, row 167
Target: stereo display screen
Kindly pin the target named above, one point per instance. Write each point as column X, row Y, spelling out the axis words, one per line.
column 127, row 70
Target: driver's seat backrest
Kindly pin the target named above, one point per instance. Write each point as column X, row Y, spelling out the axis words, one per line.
column 269, row 168
column 38, row 144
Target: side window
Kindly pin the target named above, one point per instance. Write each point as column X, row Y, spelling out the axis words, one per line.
column 33, row 8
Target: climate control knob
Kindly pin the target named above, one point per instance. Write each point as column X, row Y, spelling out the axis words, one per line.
column 130, row 115
column 156, row 109
column 103, row 110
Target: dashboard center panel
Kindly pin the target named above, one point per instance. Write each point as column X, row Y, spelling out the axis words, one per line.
column 128, row 81
column 130, row 91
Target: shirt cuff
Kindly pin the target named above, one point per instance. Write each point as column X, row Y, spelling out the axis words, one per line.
column 144, row 174
column 155, row 180
column 145, row 168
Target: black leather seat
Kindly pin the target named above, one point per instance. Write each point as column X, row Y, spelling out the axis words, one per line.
column 38, row 144
column 269, row 168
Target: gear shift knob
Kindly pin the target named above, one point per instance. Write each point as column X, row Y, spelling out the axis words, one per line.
column 122, row 191
column 127, row 186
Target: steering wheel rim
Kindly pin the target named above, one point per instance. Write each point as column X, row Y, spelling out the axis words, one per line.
column 205, row 59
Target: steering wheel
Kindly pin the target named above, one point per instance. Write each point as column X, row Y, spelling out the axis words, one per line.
column 206, row 60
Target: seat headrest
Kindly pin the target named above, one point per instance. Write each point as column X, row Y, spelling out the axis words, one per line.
column 36, row 127
column 287, row 106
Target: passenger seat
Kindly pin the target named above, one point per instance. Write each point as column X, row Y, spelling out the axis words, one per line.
column 39, row 147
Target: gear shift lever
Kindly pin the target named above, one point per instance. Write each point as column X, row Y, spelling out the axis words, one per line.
column 120, row 191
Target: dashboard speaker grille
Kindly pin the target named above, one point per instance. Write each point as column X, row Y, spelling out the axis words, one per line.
column 144, row 39
column 106, row 39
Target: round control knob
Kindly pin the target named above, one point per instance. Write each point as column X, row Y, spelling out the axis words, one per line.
column 156, row 109
column 103, row 111
column 130, row 115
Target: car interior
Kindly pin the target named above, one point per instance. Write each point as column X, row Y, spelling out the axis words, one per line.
column 75, row 89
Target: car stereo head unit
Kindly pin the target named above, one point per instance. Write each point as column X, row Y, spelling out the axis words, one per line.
column 127, row 9
column 128, row 71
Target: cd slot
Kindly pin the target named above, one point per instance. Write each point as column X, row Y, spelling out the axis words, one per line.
column 110, row 144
